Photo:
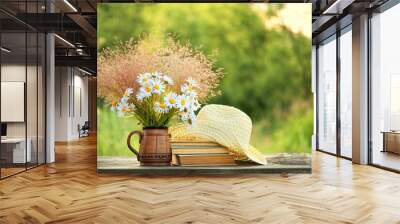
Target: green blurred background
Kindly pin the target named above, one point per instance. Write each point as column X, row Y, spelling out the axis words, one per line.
column 267, row 65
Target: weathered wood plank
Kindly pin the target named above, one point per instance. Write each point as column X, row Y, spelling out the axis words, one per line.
column 281, row 163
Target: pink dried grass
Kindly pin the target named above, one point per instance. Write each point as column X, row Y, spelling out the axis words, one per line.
column 119, row 67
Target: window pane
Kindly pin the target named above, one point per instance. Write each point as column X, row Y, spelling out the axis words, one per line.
column 327, row 96
column 386, row 88
column 345, row 94
column 41, row 98
column 14, row 153
column 31, row 97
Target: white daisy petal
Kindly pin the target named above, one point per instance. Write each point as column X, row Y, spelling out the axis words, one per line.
column 157, row 86
column 122, row 108
column 124, row 99
column 188, row 90
column 171, row 100
column 156, row 75
column 191, row 81
column 183, row 103
column 168, row 80
column 143, row 79
column 144, row 92
column 184, row 117
column 192, row 118
column 160, row 107
column 114, row 105
column 128, row 92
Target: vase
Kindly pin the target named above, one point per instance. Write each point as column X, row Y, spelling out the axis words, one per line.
column 155, row 147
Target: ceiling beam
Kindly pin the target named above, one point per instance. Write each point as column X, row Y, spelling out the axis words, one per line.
column 83, row 23
column 337, row 7
column 77, row 61
column 49, row 22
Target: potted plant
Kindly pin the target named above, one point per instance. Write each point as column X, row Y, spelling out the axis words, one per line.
column 154, row 105
column 155, row 81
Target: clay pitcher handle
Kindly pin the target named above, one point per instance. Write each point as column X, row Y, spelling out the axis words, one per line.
column 129, row 141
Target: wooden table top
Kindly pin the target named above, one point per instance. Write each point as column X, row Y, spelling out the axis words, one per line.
column 281, row 163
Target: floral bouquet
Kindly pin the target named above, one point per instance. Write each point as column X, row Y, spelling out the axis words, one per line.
column 155, row 102
column 155, row 79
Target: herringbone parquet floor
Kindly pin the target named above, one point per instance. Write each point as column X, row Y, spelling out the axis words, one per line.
column 70, row 191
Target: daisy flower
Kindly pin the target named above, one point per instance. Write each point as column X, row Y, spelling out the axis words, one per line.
column 131, row 107
column 114, row 104
column 194, row 104
column 157, row 86
column 140, row 96
column 184, row 117
column 124, row 99
column 122, row 108
column 160, row 107
column 144, row 92
column 183, row 103
column 147, row 89
column 170, row 100
column 188, row 90
column 191, row 81
column 144, row 78
column 128, row 92
column 189, row 117
column 156, row 75
column 168, row 80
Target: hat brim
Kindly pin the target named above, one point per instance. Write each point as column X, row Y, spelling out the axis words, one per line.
column 254, row 155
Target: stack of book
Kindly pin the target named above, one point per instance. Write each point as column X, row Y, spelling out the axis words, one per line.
column 200, row 153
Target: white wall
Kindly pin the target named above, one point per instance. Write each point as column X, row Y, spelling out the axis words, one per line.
column 71, row 94
column 13, row 73
column 33, row 126
column 62, row 82
column 79, row 117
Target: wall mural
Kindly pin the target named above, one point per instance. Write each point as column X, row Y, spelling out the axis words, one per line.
column 204, row 85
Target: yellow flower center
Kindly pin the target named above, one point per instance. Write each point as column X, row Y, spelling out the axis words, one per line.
column 157, row 87
column 123, row 109
column 183, row 101
column 162, row 106
column 171, row 100
column 147, row 89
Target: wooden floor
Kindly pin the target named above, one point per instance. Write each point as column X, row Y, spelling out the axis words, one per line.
column 386, row 159
column 5, row 172
column 70, row 191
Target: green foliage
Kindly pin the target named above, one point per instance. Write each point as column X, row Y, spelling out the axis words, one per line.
column 267, row 71
column 148, row 117
column 113, row 131
column 293, row 135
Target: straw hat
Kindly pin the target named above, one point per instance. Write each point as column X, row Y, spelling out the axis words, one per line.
column 225, row 125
